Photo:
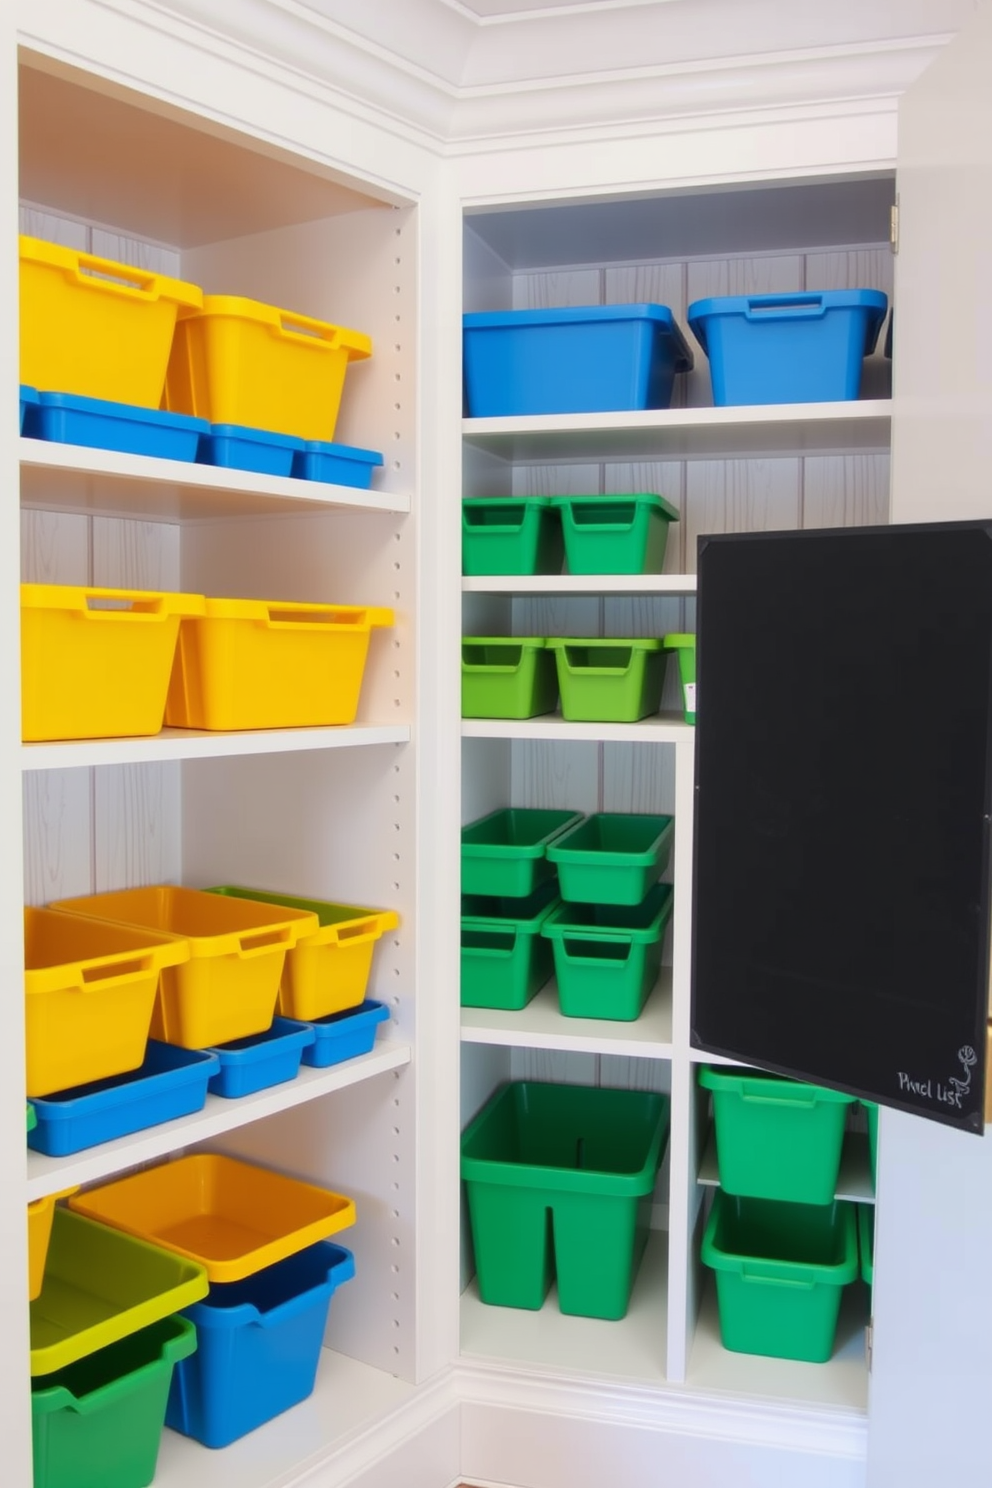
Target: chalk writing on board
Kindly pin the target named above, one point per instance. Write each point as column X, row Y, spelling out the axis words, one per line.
column 950, row 1092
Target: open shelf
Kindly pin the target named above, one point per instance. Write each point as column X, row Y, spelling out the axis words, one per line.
column 541, row 1025
column 662, row 728
column 180, row 744
column 562, row 584
column 854, row 1181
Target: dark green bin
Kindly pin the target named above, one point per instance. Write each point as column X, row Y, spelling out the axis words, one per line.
column 609, row 681
column 507, row 677
column 623, row 534
column 505, row 853
column 866, row 1241
column 511, row 535
column 505, row 961
column 607, row 958
column 612, row 857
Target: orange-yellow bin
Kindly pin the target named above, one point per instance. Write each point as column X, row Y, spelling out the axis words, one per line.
column 40, row 1216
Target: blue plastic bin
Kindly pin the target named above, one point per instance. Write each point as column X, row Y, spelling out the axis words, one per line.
column 258, row 1346
column 788, row 348
column 97, row 423
column 29, row 403
column 238, row 447
column 342, row 1036
column 261, row 1060
column 338, row 464
column 172, row 1082
column 588, row 359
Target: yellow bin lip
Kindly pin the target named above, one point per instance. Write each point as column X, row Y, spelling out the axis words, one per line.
column 70, row 260
column 360, row 925
column 154, row 949
column 287, row 614
column 146, row 604
column 259, row 932
column 318, row 335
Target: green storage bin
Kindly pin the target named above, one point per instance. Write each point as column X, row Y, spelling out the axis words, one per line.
column 625, row 534
column 776, row 1138
column 505, row 853
column 612, row 857
column 505, row 961
column 684, row 647
column 98, row 1423
column 609, row 681
column 866, row 1241
column 560, row 1180
column 607, row 958
column 781, row 1270
column 511, row 535
column 507, row 677
column 32, row 1117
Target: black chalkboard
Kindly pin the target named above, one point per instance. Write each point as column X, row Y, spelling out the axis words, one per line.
column 841, row 876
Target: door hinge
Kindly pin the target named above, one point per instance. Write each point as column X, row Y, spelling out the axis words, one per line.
column 869, row 1339
column 894, row 225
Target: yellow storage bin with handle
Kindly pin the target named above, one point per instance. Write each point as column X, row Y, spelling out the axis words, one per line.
column 96, row 663
column 257, row 663
column 237, row 361
column 227, row 988
column 40, row 1216
column 94, row 327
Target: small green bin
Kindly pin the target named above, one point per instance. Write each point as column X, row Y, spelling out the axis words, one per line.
column 560, row 1180
column 609, row 681
column 505, row 853
column 612, row 857
column 866, row 1241
column 507, row 677
column 685, row 648
column 98, row 1423
column 511, row 535
column 32, row 1117
column 505, row 961
column 625, row 534
column 607, row 958
column 776, row 1138
column 781, row 1270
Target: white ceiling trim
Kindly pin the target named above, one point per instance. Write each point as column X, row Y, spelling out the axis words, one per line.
column 510, row 15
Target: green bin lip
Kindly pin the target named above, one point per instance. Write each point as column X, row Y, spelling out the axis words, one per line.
column 635, row 643
column 48, row 1394
column 655, row 909
column 764, row 1086
column 769, row 1268
column 648, row 498
column 534, row 848
column 679, row 641
column 327, row 912
column 596, row 857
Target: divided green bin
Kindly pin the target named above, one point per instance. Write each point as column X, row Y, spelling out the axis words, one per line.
column 607, row 958
column 505, row 853
column 504, row 959
column 507, row 677
column 609, row 680
column 612, row 857
column 511, row 535
column 684, row 647
column 560, row 1180
column 623, row 534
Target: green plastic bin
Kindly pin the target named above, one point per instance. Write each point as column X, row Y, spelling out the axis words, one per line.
column 560, row 1181
column 684, row 647
column 507, row 677
column 612, row 857
column 776, row 1138
column 98, row 1423
column 609, row 681
column 505, row 853
column 505, row 961
column 511, row 535
column 607, row 958
column 625, row 534
column 866, row 1241
column 32, row 1117
column 781, row 1270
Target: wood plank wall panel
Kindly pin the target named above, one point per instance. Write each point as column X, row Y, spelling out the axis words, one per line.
column 846, row 491
column 740, row 496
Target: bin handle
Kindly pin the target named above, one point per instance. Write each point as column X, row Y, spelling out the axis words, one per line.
column 361, row 930
column 513, row 523
column 321, row 335
column 116, row 969
column 776, row 1281
column 317, row 618
column 119, row 604
column 791, row 307
column 93, row 272
column 259, row 943
column 575, row 955
column 622, row 517
column 572, row 651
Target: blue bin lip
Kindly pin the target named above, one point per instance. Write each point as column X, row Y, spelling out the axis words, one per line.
column 661, row 315
column 183, row 1066
column 828, row 299
column 212, row 1313
column 132, row 412
column 284, row 1035
column 342, row 452
column 29, row 394
column 368, row 1011
column 247, row 434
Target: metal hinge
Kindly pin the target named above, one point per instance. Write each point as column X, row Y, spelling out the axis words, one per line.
column 869, row 1339
column 894, row 225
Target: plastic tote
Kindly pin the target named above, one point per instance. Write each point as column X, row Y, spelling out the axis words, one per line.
column 94, row 327
column 258, row 663
column 336, row 464
column 101, row 1286
column 612, row 857
column 230, row 1217
column 615, row 534
column 587, row 1157
column 504, row 960
column 260, row 1343
column 95, row 423
column 780, row 1272
column 776, row 1138
column 344, row 1035
column 264, row 1059
column 237, row 361
column 95, row 663
column 506, row 854
column 511, row 535
column 586, row 359
column 237, row 447
column 229, row 983
column 607, row 958
column 40, row 1216
column 507, row 677
column 788, row 348
column 98, row 1423
column 609, row 681
column 684, row 647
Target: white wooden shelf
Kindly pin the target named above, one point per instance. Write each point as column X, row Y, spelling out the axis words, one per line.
column 70, row 478
column 854, row 1181
column 688, row 433
column 541, row 1025
column 563, row 584
column 48, row 1175
column 182, row 744
column 661, row 728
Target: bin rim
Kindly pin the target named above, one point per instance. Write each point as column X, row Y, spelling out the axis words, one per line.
column 661, row 315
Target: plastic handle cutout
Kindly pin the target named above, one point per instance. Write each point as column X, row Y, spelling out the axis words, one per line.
column 108, row 606
column 354, row 619
column 116, row 969
column 362, row 930
column 104, row 273
column 792, row 307
column 255, row 945
column 312, row 330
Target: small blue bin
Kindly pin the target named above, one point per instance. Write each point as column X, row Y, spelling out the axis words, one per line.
column 29, row 403
column 172, row 1082
column 261, row 1060
column 97, row 423
column 258, row 1346
column 238, row 447
column 342, row 1036
column 588, row 359
column 788, row 348
column 337, row 464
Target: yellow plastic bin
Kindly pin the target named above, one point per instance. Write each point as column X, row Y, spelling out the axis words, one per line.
column 96, row 328
column 259, row 663
column 90, row 992
column 96, row 663
column 40, row 1216
column 237, row 361
column 227, row 988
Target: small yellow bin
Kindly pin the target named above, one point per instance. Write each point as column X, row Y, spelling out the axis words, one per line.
column 228, row 987
column 96, row 663
column 236, row 361
column 94, row 327
column 90, row 992
column 256, row 664
column 40, row 1216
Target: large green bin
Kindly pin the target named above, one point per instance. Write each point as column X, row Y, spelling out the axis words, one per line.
column 505, row 853
column 612, row 857
column 625, row 534
column 510, row 535
column 607, row 958
column 504, row 959
column 609, row 681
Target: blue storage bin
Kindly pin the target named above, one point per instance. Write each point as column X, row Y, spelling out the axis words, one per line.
column 338, row 464
column 29, row 402
column 588, row 359
column 97, row 423
column 342, row 1036
column 261, row 1060
column 788, row 348
column 172, row 1082
column 258, row 1346
column 238, row 447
